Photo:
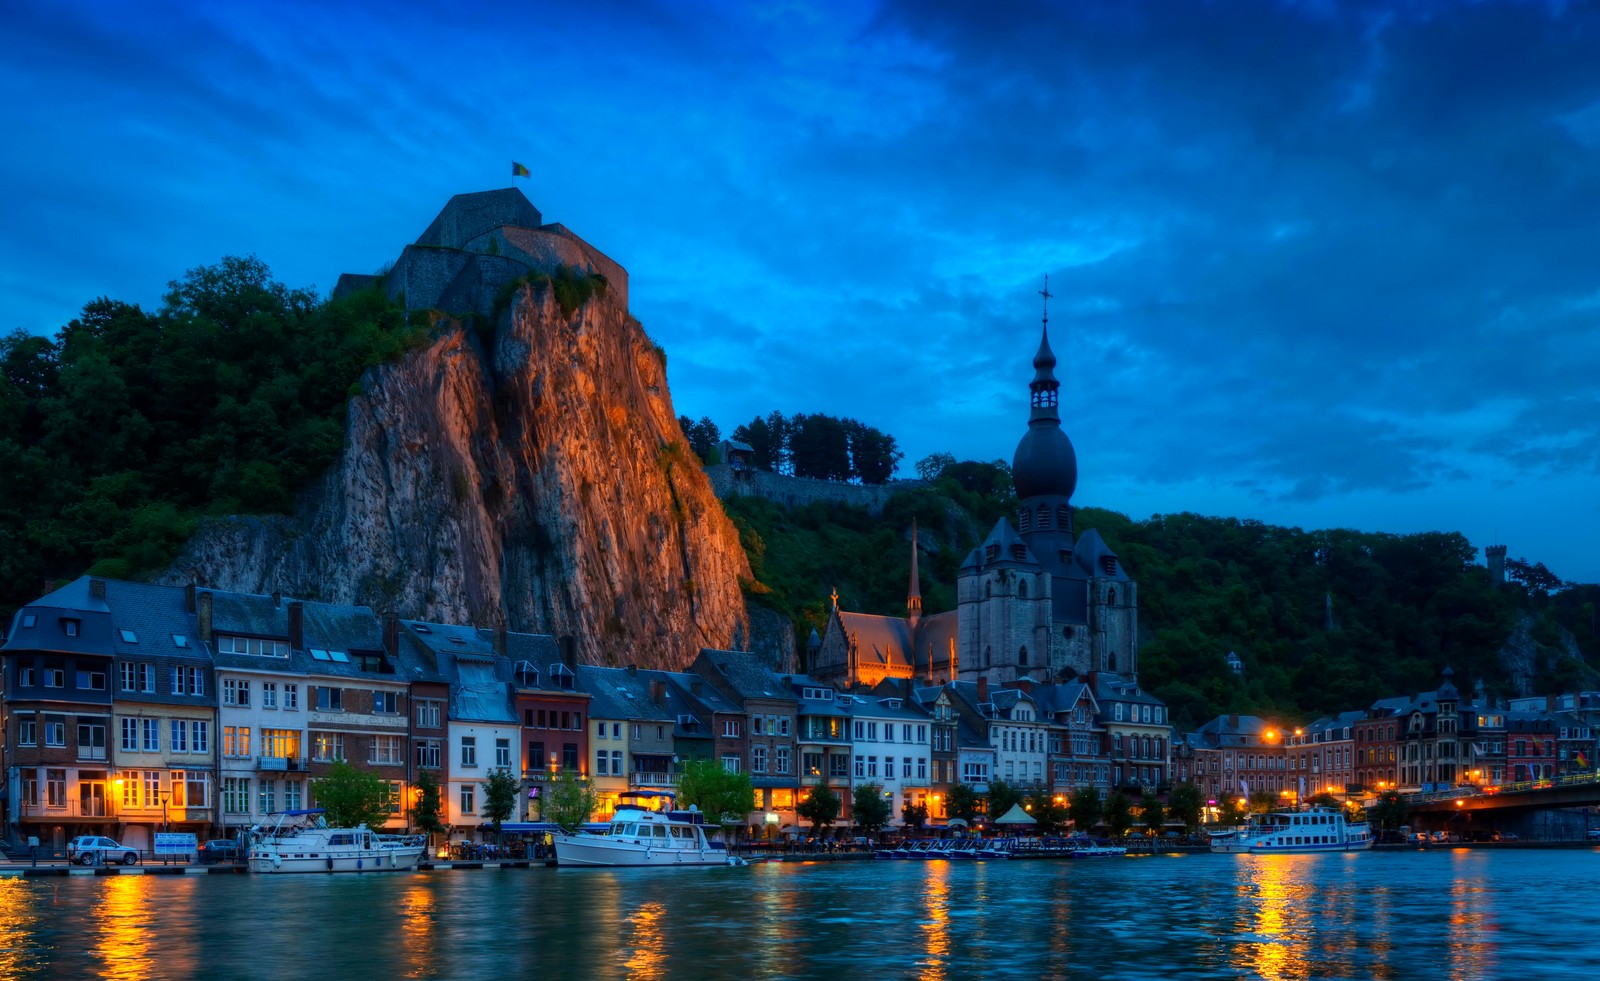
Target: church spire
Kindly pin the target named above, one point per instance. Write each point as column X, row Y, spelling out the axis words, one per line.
column 914, row 592
column 1044, row 386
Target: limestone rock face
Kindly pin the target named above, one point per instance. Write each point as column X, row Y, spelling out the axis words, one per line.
column 544, row 484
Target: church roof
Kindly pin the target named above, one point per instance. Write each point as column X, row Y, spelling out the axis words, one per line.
column 1094, row 557
column 1005, row 545
column 876, row 639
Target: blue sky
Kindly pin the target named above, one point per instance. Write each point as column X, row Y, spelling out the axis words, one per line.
column 1321, row 264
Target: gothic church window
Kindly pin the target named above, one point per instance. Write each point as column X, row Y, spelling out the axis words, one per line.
column 988, row 656
column 1111, row 596
column 1022, row 655
column 1022, row 589
column 988, row 590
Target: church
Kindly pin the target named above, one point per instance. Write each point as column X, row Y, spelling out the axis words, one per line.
column 1035, row 601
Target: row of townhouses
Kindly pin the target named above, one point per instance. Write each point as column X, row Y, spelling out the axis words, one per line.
column 132, row 708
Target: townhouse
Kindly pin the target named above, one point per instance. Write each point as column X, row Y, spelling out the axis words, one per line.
column 767, row 729
column 632, row 727
column 554, row 712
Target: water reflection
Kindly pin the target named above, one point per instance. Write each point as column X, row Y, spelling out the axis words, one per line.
column 419, row 937
column 20, row 923
column 936, row 928
column 1275, row 944
column 1470, row 932
column 648, row 961
column 122, row 921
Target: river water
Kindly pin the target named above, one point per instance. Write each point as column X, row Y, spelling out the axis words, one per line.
column 1407, row 915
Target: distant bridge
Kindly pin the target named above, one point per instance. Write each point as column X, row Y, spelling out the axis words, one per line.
column 1570, row 790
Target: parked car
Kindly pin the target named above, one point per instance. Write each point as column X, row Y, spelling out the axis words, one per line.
column 92, row 849
column 219, row 850
column 1417, row 838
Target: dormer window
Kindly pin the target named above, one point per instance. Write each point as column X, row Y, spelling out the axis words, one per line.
column 991, row 552
column 70, row 626
column 29, row 619
column 1108, row 564
column 1018, row 552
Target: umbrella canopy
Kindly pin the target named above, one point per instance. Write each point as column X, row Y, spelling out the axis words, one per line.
column 1015, row 816
column 956, row 823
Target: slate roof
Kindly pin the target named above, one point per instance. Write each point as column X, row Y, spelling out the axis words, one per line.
column 747, row 674
column 878, row 640
column 479, row 678
column 47, row 634
column 617, row 693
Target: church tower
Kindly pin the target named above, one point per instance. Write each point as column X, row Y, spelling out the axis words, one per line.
column 914, row 591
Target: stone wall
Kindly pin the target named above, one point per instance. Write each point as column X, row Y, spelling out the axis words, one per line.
column 789, row 491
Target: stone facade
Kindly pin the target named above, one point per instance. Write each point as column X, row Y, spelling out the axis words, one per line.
column 730, row 480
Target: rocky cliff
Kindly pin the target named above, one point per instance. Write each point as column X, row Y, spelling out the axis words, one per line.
column 544, row 484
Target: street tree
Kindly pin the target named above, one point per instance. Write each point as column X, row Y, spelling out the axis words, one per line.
column 821, row 807
column 962, row 803
column 872, row 808
column 500, row 797
column 1048, row 809
column 721, row 795
column 1119, row 814
column 1086, row 808
column 1154, row 814
column 1390, row 812
column 914, row 816
column 1002, row 798
column 351, row 797
column 568, row 801
column 430, row 805
column 1184, row 804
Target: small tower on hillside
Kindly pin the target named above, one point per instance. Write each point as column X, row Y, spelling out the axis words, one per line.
column 914, row 591
column 1495, row 555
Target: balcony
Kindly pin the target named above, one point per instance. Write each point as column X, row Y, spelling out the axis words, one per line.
column 69, row 809
column 647, row 779
column 281, row 764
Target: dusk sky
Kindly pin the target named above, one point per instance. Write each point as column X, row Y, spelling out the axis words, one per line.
column 1320, row 264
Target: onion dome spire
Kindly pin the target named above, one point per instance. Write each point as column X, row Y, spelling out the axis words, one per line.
column 1045, row 464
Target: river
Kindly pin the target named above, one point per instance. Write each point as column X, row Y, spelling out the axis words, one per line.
column 1455, row 914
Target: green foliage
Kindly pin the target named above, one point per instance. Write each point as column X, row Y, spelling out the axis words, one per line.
column 962, row 803
column 1229, row 812
column 428, row 814
column 1184, row 804
column 1049, row 812
column 821, row 807
column 1261, row 801
column 1390, row 812
column 1086, row 808
column 722, row 796
column 1002, row 798
column 500, row 793
column 871, row 809
column 351, row 797
column 1152, row 813
column 821, row 446
column 1118, row 814
column 914, row 816
column 703, row 437
column 124, row 429
column 568, row 801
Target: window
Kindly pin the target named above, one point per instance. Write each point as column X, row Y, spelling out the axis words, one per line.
column 199, row 737
column 269, row 795
column 235, row 692
column 535, row 758
column 502, row 753
column 91, row 742
column 25, row 677
column 616, row 762
column 29, row 619
column 251, row 645
column 730, row 729
column 152, row 787
column 269, row 694
column 838, row 765
column 861, row 766
column 468, row 798
column 130, row 676
column 428, row 753
column 180, row 736
column 27, row 732
column 191, row 788
column 55, row 783
column 783, row 726
column 386, row 702
column 636, row 731
column 327, row 746
column 731, row 764
column 280, row 744
column 756, row 726
column 152, row 735
column 386, row 751
column 781, row 765
column 428, row 713
column 600, row 758
column 569, row 756
column 905, row 764
column 130, row 790
column 330, row 699
column 469, row 750
column 55, row 733
column 922, row 769
column 55, row 678
column 70, row 626
column 811, row 764
column 130, row 736
column 293, row 795
column 235, row 740
column 235, row 795
column 396, row 793
column 600, row 730
column 291, row 697
column 758, row 759
column 188, row 681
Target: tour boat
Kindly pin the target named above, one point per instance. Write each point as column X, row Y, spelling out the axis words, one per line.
column 1317, row 829
column 641, row 835
column 301, row 841
column 1082, row 846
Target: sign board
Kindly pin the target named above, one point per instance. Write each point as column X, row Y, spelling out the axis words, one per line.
column 176, row 843
column 533, row 793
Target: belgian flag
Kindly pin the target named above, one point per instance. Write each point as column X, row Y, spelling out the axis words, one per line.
column 517, row 170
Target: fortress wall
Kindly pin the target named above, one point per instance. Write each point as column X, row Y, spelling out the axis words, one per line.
column 800, row 491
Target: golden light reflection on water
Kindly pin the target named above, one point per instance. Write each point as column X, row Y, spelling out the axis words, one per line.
column 122, row 919
column 776, row 930
column 1279, row 938
column 19, row 920
column 1471, row 931
column 936, row 928
column 419, row 929
column 648, row 959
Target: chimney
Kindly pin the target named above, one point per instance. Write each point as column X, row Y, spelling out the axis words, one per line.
column 97, row 589
column 569, row 653
column 1024, row 685
column 983, row 688
column 203, row 617
column 391, row 634
column 188, row 598
column 297, row 626
column 658, row 692
column 1233, row 720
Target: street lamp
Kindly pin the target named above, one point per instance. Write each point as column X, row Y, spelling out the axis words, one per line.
column 165, row 796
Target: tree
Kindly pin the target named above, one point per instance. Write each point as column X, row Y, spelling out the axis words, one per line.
column 721, row 795
column 872, row 808
column 1230, row 813
column 1154, row 815
column 914, row 816
column 932, row 466
column 1086, row 808
column 500, row 793
column 1047, row 808
column 1390, row 811
column 820, row 807
column 351, row 797
column 568, row 801
column 1002, row 798
column 1119, row 814
column 1184, row 804
column 962, row 803
column 430, row 805
column 1261, row 802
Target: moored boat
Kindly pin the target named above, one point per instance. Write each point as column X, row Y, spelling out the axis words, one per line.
column 301, row 841
column 640, row 835
column 1082, row 846
column 1316, row 829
